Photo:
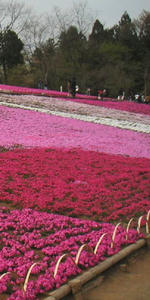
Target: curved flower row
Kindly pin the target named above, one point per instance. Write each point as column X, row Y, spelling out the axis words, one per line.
column 122, row 106
column 32, row 240
column 142, row 126
column 35, row 129
column 91, row 100
column 33, row 91
column 58, row 105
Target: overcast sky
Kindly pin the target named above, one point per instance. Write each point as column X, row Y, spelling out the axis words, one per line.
column 108, row 12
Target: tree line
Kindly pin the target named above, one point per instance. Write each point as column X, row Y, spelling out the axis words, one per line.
column 54, row 48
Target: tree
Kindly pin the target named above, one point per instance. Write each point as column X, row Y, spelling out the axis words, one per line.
column 126, row 34
column 82, row 17
column 13, row 15
column 72, row 45
column 21, row 75
column 98, row 33
column 79, row 16
column 143, row 28
column 96, row 39
column 10, row 51
column 42, row 64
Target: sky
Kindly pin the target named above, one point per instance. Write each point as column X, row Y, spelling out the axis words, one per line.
column 108, row 12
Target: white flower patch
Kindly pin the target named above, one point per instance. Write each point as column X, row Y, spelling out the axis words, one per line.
column 109, row 120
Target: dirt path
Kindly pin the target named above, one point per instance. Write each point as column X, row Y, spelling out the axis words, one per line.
column 128, row 280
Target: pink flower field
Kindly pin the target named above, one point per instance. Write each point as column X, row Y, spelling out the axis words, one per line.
column 29, row 236
column 34, row 129
column 65, row 182
column 90, row 100
column 76, row 183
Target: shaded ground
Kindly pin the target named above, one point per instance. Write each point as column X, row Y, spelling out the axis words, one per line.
column 130, row 279
column 127, row 280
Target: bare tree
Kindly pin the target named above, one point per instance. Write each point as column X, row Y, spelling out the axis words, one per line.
column 13, row 15
column 34, row 30
column 31, row 29
column 36, row 33
column 83, row 17
column 57, row 22
column 78, row 15
column 141, row 21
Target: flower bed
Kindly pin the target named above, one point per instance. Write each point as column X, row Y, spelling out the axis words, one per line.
column 86, row 99
column 76, row 183
column 125, row 105
column 34, row 129
column 33, row 91
column 74, row 109
column 30, row 237
column 72, row 168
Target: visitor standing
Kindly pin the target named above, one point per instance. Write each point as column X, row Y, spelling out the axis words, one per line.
column 73, row 87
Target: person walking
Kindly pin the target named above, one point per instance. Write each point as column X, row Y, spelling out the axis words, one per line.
column 73, row 87
column 69, row 87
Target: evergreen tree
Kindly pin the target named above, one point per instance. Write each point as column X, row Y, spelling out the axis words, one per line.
column 126, row 34
column 72, row 51
column 10, row 51
column 143, row 25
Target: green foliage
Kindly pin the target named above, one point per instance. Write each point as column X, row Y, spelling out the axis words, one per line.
column 113, row 58
column 10, row 51
column 72, row 45
column 98, row 33
column 21, row 76
column 143, row 27
column 43, row 63
column 114, row 52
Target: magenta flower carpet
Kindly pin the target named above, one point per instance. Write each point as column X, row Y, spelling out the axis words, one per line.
column 70, row 171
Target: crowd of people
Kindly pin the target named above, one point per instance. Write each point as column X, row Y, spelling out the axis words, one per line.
column 73, row 88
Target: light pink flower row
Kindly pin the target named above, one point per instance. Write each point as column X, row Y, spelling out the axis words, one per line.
column 34, row 129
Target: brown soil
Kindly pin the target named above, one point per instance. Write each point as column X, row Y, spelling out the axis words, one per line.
column 128, row 280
